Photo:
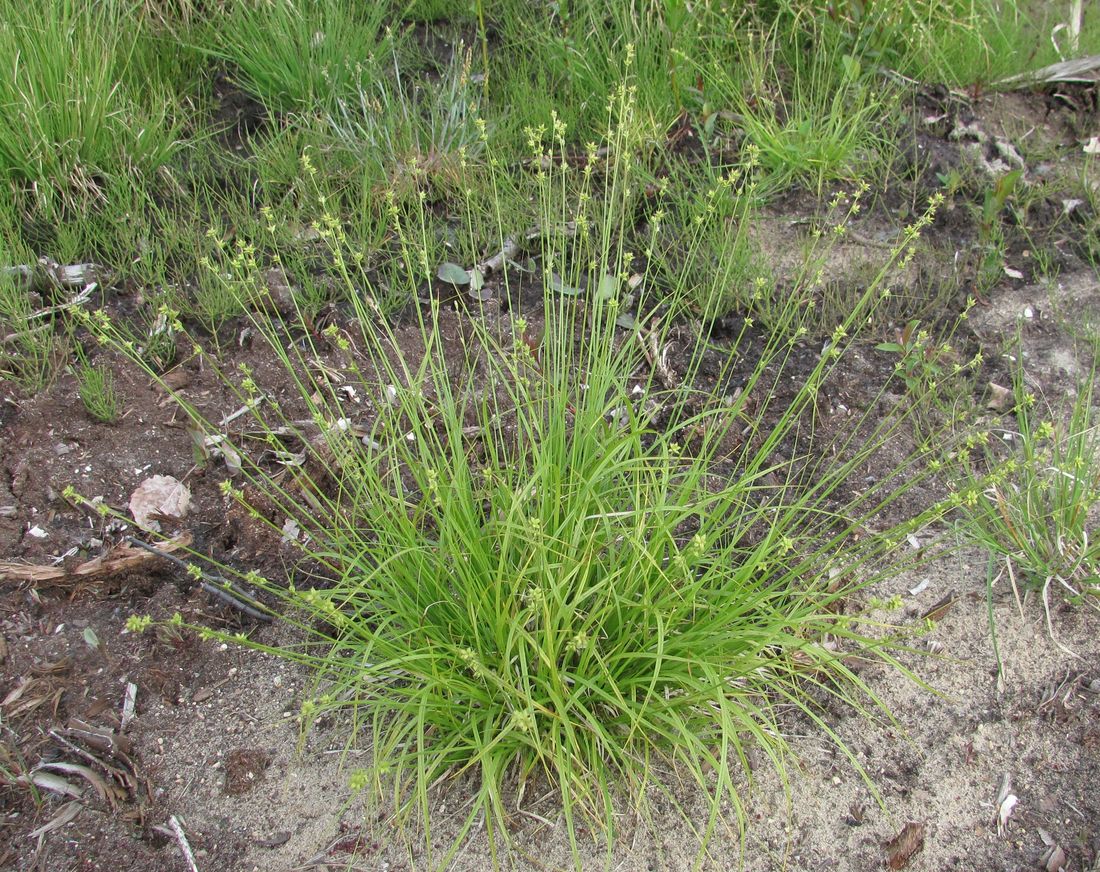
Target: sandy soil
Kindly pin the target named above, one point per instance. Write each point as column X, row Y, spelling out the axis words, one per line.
column 224, row 758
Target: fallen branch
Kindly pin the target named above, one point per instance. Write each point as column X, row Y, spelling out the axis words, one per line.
column 215, row 585
column 509, row 250
column 658, row 358
column 122, row 558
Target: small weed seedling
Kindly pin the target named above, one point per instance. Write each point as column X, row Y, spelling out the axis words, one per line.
column 933, row 371
column 991, row 237
column 921, row 361
column 96, row 385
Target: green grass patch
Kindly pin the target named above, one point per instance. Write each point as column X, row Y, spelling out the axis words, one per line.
column 539, row 555
column 817, row 118
column 299, row 56
column 31, row 349
column 1030, row 495
column 73, row 110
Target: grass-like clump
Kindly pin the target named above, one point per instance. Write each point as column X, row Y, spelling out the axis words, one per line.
column 72, row 112
column 539, row 553
column 1031, row 499
column 822, row 122
column 30, row 347
column 299, row 56
column 580, row 509
column 96, row 386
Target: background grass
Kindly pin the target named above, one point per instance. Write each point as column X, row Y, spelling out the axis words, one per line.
column 298, row 56
column 84, row 97
column 392, row 99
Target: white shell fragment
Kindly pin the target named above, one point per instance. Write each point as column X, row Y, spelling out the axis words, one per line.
column 1006, row 803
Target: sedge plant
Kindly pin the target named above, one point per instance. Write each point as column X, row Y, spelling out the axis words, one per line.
column 707, row 224
column 96, row 386
column 541, row 555
column 1029, row 495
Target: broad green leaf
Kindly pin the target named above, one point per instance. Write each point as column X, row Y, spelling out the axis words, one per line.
column 453, row 274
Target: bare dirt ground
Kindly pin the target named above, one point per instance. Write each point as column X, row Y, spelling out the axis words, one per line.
column 213, row 743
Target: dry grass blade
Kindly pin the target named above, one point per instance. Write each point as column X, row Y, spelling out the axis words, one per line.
column 1075, row 70
column 181, row 840
column 67, row 813
column 108, row 793
column 30, row 694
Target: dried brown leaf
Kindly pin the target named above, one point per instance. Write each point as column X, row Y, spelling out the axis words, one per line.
column 159, row 495
column 101, row 739
column 1055, row 859
column 108, row 793
column 54, row 667
column 1000, row 397
column 31, row 694
column 17, row 692
column 905, row 845
column 941, row 607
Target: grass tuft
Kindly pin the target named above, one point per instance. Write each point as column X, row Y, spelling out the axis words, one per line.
column 541, row 555
column 72, row 114
column 299, row 56
column 30, row 347
column 1034, row 507
column 821, row 122
column 96, row 386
